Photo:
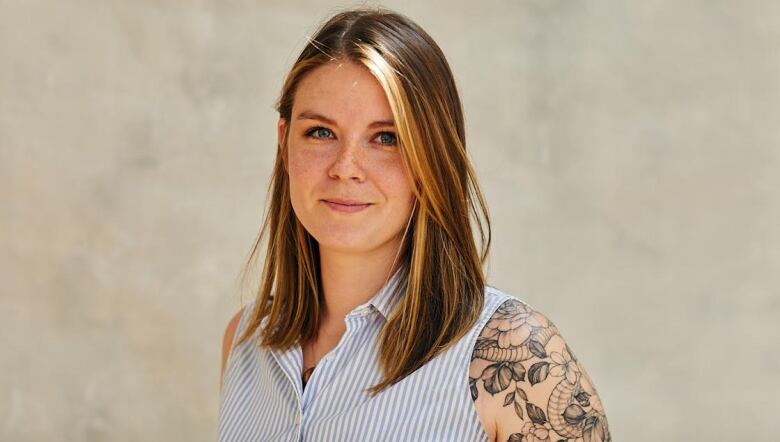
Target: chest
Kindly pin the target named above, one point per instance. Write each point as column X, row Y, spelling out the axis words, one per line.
column 432, row 404
column 264, row 399
column 313, row 351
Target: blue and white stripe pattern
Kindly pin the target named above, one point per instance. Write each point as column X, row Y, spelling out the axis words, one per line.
column 262, row 397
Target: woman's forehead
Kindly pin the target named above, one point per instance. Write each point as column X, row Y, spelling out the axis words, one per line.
column 342, row 89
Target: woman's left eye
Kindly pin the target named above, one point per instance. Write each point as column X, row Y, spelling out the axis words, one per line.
column 387, row 138
column 318, row 132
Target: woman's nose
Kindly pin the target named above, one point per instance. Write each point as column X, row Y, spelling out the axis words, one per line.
column 348, row 163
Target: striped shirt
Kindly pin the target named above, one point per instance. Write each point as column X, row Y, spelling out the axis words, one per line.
column 263, row 398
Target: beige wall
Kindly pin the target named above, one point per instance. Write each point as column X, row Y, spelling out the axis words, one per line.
column 630, row 153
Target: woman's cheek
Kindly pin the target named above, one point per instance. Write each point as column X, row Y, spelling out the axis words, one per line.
column 303, row 165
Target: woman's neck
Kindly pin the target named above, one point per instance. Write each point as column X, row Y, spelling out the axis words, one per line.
column 349, row 280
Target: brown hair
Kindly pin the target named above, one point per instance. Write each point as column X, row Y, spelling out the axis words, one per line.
column 445, row 282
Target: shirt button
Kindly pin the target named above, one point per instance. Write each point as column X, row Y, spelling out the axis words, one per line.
column 297, row 418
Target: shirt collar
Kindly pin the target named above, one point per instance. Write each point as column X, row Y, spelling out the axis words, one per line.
column 388, row 297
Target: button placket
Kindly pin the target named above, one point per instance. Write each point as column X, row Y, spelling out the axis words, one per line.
column 319, row 383
column 316, row 382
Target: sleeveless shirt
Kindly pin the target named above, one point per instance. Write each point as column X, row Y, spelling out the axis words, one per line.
column 263, row 399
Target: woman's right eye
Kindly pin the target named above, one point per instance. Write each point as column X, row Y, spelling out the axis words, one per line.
column 318, row 132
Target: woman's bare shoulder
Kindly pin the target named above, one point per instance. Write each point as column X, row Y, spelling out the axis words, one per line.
column 525, row 380
column 229, row 337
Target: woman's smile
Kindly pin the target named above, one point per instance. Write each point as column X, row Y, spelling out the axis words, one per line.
column 342, row 207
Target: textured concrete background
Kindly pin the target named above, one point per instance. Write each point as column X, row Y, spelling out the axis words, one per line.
column 630, row 153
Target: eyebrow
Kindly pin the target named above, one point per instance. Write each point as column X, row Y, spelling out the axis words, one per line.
column 309, row 115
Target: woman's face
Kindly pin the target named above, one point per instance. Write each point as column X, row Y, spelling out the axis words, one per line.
column 348, row 185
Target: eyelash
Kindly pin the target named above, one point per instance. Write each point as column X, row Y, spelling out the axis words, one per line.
column 310, row 134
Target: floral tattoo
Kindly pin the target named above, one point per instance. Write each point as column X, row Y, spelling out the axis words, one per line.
column 528, row 364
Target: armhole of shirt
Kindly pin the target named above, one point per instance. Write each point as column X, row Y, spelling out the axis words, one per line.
column 502, row 299
column 484, row 319
column 239, row 329
column 498, row 299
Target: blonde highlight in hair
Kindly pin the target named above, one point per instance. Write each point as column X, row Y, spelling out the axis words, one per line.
column 444, row 279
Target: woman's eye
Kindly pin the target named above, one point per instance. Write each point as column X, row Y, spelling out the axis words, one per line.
column 387, row 138
column 319, row 132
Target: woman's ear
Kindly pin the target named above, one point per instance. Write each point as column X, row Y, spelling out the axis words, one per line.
column 281, row 135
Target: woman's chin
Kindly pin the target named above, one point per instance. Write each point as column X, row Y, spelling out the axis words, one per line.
column 344, row 246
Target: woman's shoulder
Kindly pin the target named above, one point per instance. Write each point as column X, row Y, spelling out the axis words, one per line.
column 499, row 303
column 229, row 337
column 234, row 328
column 525, row 379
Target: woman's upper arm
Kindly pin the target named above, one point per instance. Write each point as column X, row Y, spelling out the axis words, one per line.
column 227, row 341
column 529, row 380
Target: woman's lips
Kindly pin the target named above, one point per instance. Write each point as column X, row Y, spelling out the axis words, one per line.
column 349, row 208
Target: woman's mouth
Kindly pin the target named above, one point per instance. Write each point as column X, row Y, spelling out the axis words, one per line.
column 345, row 206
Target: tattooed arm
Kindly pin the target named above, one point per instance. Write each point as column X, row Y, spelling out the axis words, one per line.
column 527, row 382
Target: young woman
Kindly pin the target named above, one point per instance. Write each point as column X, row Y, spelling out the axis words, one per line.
column 373, row 320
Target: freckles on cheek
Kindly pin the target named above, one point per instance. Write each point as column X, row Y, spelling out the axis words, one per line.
column 300, row 167
column 393, row 176
column 304, row 176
